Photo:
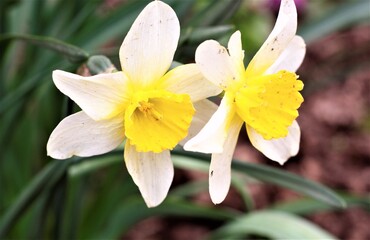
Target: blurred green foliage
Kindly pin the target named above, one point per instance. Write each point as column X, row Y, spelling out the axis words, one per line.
column 95, row 197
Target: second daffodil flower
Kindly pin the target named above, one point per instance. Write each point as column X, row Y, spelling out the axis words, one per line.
column 150, row 107
column 265, row 96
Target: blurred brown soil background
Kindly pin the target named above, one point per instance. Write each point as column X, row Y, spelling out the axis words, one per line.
column 335, row 144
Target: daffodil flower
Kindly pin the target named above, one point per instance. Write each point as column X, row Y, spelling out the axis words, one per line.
column 265, row 96
column 146, row 105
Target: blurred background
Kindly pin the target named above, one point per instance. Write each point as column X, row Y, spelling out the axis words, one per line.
column 96, row 198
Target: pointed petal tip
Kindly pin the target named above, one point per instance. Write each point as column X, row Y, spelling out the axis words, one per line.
column 278, row 150
column 281, row 161
column 151, row 172
column 220, row 167
column 148, row 49
column 55, row 154
column 99, row 96
column 151, row 204
column 217, row 199
column 218, row 195
column 283, row 32
column 79, row 135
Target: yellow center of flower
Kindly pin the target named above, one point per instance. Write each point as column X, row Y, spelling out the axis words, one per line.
column 157, row 120
column 269, row 103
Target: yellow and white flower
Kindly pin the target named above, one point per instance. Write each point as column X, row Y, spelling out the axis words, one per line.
column 265, row 96
column 146, row 105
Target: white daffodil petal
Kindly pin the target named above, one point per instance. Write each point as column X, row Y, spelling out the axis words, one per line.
column 151, row 172
column 204, row 109
column 80, row 135
column 279, row 150
column 284, row 30
column 236, row 51
column 100, row 96
column 291, row 58
column 188, row 79
column 148, row 49
column 212, row 137
column 216, row 64
column 220, row 168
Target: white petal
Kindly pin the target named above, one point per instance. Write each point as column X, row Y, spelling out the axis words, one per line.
column 204, row 110
column 284, row 30
column 212, row 137
column 188, row 79
column 216, row 64
column 291, row 58
column 279, row 150
column 148, row 49
column 220, row 168
column 236, row 51
column 80, row 135
column 151, row 172
column 100, row 96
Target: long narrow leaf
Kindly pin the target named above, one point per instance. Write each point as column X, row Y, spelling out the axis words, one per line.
column 343, row 16
column 215, row 12
column 280, row 178
column 271, row 224
column 197, row 35
column 73, row 53
column 310, row 206
column 134, row 210
column 26, row 87
column 291, row 181
column 48, row 175
column 45, row 179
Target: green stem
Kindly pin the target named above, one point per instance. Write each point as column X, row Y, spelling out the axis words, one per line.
column 41, row 217
column 73, row 53
column 59, row 192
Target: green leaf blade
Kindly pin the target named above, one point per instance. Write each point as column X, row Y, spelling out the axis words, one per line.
column 269, row 175
column 291, row 181
column 343, row 16
column 272, row 224
column 73, row 53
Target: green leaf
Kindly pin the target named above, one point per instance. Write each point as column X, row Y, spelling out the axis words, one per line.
column 26, row 87
column 342, row 16
column 44, row 180
column 182, row 160
column 196, row 35
column 196, row 165
column 85, row 167
column 271, row 224
column 290, row 181
column 182, row 8
column 239, row 184
column 73, row 53
column 310, row 206
column 134, row 210
column 189, row 189
column 269, row 175
column 114, row 25
column 215, row 12
column 48, row 176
